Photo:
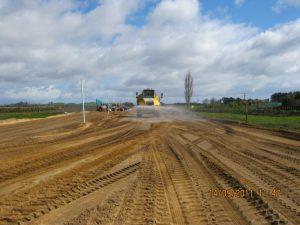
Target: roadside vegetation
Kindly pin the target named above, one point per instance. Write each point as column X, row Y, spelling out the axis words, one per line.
column 276, row 122
column 24, row 110
column 280, row 111
column 26, row 115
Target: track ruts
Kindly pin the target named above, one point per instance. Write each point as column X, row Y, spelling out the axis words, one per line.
column 216, row 210
column 54, row 202
column 268, row 175
column 31, row 141
column 146, row 203
column 56, row 192
column 190, row 203
column 181, row 162
column 66, row 154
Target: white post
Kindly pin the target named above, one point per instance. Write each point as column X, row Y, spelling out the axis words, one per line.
column 82, row 98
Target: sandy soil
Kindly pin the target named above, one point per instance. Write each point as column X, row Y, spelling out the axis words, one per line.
column 118, row 169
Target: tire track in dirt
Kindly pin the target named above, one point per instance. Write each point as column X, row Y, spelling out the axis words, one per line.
column 42, row 204
column 67, row 154
column 104, row 213
column 249, row 212
column 258, row 211
column 167, row 169
column 146, row 203
column 29, row 128
column 244, row 162
column 82, row 131
column 272, row 178
column 56, row 191
column 266, row 171
column 189, row 200
column 214, row 211
column 172, row 201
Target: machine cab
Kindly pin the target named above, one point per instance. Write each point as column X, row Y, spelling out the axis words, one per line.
column 148, row 93
column 148, row 97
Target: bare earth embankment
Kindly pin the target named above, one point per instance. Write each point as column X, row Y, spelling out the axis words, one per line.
column 124, row 170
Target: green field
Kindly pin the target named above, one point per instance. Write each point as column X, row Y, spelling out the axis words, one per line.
column 4, row 116
column 277, row 122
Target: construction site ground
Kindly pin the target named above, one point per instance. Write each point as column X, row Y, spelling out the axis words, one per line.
column 119, row 169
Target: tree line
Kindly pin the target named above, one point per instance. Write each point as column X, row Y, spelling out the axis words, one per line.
column 287, row 98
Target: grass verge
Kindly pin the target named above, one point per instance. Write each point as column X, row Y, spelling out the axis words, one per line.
column 4, row 116
column 275, row 122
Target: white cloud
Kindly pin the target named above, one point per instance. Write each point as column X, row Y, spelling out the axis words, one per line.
column 239, row 2
column 175, row 11
column 40, row 93
column 280, row 5
column 45, row 51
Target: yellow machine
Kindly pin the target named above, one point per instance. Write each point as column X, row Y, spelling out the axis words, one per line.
column 148, row 102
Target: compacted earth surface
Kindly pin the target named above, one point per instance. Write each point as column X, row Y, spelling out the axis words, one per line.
column 118, row 169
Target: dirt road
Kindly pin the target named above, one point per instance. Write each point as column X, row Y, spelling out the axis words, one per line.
column 122, row 170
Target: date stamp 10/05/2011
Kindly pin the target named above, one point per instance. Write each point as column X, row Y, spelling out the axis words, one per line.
column 241, row 193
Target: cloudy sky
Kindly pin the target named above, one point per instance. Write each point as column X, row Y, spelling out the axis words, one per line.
column 122, row 46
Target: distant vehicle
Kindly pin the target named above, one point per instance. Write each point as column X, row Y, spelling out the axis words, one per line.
column 123, row 108
column 119, row 108
column 102, row 108
column 148, row 102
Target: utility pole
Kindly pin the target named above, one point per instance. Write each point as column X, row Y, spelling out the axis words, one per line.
column 82, row 98
column 246, row 107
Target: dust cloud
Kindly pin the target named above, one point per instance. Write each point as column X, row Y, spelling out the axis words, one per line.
column 164, row 114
